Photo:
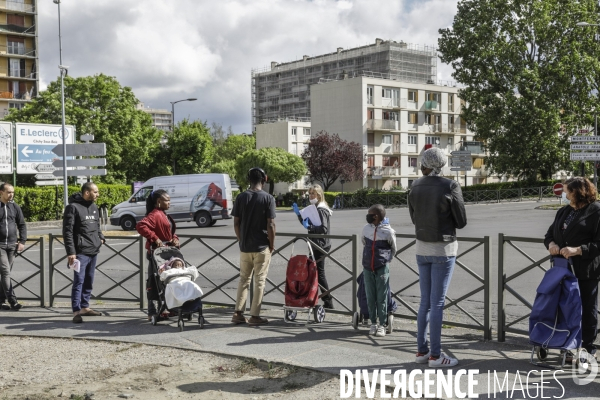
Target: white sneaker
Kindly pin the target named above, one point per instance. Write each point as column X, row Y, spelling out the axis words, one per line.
column 380, row 331
column 373, row 330
column 442, row 362
column 422, row 358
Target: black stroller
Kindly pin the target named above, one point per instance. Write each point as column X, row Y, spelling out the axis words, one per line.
column 157, row 287
column 362, row 317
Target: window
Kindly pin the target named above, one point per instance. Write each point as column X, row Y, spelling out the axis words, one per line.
column 450, row 119
column 412, row 139
column 294, row 148
column 369, row 94
column 413, row 95
column 142, row 194
column 390, row 161
column 450, row 102
column 450, row 141
column 307, row 132
column 412, row 161
column 412, row 118
column 432, row 140
column 386, row 139
column 370, row 161
column 294, row 131
column 387, row 93
column 410, row 182
column 396, row 182
column 429, row 119
column 305, row 147
column 391, row 116
column 433, row 97
column 370, row 114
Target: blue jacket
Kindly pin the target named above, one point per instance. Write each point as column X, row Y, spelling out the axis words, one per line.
column 379, row 245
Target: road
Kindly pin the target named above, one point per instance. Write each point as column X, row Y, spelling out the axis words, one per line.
column 516, row 219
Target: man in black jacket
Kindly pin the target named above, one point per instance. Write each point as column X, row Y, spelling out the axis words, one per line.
column 12, row 223
column 83, row 238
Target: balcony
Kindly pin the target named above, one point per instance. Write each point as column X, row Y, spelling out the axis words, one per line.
column 16, row 29
column 16, row 96
column 382, row 171
column 17, row 49
column 382, row 125
column 18, row 73
column 17, row 6
column 432, row 105
column 473, row 147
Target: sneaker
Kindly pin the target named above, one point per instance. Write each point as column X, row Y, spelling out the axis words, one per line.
column 238, row 318
column 4, row 306
column 443, row 361
column 253, row 321
column 77, row 319
column 16, row 306
column 380, row 331
column 91, row 313
column 373, row 329
column 422, row 358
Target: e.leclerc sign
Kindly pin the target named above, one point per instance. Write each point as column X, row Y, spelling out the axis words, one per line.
column 35, row 143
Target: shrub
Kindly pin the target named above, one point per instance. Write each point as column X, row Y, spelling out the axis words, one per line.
column 509, row 185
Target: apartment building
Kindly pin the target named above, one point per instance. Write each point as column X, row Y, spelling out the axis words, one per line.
column 396, row 122
column 161, row 119
column 19, row 77
column 289, row 134
column 284, row 89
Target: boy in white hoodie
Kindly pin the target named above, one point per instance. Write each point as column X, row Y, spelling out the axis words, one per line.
column 379, row 240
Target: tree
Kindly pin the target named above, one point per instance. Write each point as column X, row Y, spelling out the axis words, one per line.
column 529, row 74
column 219, row 134
column 229, row 151
column 329, row 158
column 190, row 148
column 100, row 106
column 279, row 165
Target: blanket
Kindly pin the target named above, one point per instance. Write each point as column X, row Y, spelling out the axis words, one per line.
column 180, row 285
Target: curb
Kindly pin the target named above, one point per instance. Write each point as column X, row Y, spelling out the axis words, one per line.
column 44, row 224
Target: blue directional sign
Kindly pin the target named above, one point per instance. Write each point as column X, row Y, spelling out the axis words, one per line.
column 35, row 153
column 35, row 143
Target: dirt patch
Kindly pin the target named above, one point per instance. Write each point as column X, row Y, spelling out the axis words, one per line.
column 44, row 369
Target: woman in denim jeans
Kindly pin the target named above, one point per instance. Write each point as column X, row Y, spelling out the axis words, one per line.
column 437, row 209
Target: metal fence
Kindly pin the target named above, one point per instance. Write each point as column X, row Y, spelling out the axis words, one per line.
column 28, row 274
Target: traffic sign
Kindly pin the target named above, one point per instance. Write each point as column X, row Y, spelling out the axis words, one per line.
column 585, row 138
column 83, row 149
column 585, row 147
column 85, row 162
column 6, row 147
column 557, row 189
column 460, row 153
column 585, row 156
column 460, row 169
column 45, row 176
column 80, row 172
column 584, row 131
column 49, row 183
column 86, row 138
column 35, row 143
column 44, row 168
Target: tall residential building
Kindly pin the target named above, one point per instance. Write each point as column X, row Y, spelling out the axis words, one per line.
column 161, row 119
column 283, row 89
column 19, row 75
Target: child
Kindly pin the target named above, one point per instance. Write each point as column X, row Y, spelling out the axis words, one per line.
column 180, row 282
column 174, row 262
column 379, row 241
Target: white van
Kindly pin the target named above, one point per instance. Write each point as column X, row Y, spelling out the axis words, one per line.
column 204, row 198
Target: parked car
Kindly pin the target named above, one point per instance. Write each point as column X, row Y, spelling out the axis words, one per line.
column 204, row 198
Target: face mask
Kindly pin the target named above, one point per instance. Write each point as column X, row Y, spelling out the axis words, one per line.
column 370, row 218
column 564, row 197
column 314, row 201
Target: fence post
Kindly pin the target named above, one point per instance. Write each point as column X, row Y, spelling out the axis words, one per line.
column 541, row 193
column 498, row 196
column 42, row 274
column 51, row 269
column 354, row 273
column 501, row 278
column 520, row 194
column 487, row 290
column 476, row 197
column 142, row 258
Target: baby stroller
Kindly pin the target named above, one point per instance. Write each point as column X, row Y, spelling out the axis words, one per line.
column 302, row 288
column 555, row 320
column 189, row 308
column 362, row 317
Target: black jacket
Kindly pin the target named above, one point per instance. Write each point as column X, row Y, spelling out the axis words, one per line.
column 11, row 220
column 584, row 231
column 325, row 215
column 81, row 227
column 436, row 208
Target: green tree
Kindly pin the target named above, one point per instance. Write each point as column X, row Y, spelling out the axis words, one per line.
column 100, row 106
column 279, row 165
column 529, row 76
column 229, row 151
column 190, row 148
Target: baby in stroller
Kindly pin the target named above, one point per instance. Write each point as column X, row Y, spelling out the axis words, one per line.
column 180, row 282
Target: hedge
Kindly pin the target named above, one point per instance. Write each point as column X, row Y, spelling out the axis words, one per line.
column 509, row 185
column 46, row 203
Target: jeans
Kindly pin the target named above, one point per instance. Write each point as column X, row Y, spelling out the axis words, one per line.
column 376, row 288
column 589, row 315
column 151, row 303
column 321, row 273
column 259, row 264
column 434, row 278
column 7, row 256
column 83, row 282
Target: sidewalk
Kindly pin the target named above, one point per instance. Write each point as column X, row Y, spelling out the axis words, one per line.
column 330, row 346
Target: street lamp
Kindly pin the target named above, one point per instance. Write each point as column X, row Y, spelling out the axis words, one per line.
column 64, row 70
column 173, row 120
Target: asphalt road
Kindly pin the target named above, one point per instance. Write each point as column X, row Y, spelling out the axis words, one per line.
column 515, row 219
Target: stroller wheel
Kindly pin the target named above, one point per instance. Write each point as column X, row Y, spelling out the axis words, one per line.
column 190, row 316
column 319, row 314
column 154, row 319
column 542, row 354
column 390, row 324
column 290, row 315
column 355, row 317
column 201, row 322
column 180, row 325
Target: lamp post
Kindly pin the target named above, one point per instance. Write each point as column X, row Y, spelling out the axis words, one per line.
column 173, row 120
column 63, row 72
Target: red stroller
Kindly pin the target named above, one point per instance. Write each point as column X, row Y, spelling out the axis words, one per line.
column 302, row 287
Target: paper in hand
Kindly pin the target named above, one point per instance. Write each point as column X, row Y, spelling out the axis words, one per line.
column 75, row 266
column 311, row 213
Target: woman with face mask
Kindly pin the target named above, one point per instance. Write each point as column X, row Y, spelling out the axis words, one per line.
column 575, row 235
column 317, row 199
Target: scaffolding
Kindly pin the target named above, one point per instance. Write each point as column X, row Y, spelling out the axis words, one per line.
column 282, row 90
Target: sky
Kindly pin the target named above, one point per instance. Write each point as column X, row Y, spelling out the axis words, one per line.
column 168, row 50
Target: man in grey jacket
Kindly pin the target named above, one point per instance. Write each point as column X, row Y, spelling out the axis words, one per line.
column 437, row 209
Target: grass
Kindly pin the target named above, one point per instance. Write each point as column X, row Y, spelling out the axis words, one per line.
column 246, row 366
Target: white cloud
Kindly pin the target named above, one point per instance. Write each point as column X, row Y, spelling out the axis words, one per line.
column 169, row 50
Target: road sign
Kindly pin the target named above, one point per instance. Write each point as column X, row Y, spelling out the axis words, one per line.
column 49, row 183
column 44, row 168
column 45, row 176
column 85, row 162
column 457, row 163
column 585, row 138
column 83, row 149
column 460, row 169
column 585, row 147
column 80, row 172
column 557, row 189
column 35, row 143
column 86, row 138
column 585, row 156
column 584, row 131
column 460, row 153
column 6, row 147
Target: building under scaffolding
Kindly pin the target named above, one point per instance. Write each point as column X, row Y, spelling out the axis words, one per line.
column 283, row 90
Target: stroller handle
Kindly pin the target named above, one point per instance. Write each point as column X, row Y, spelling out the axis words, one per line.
column 307, row 244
